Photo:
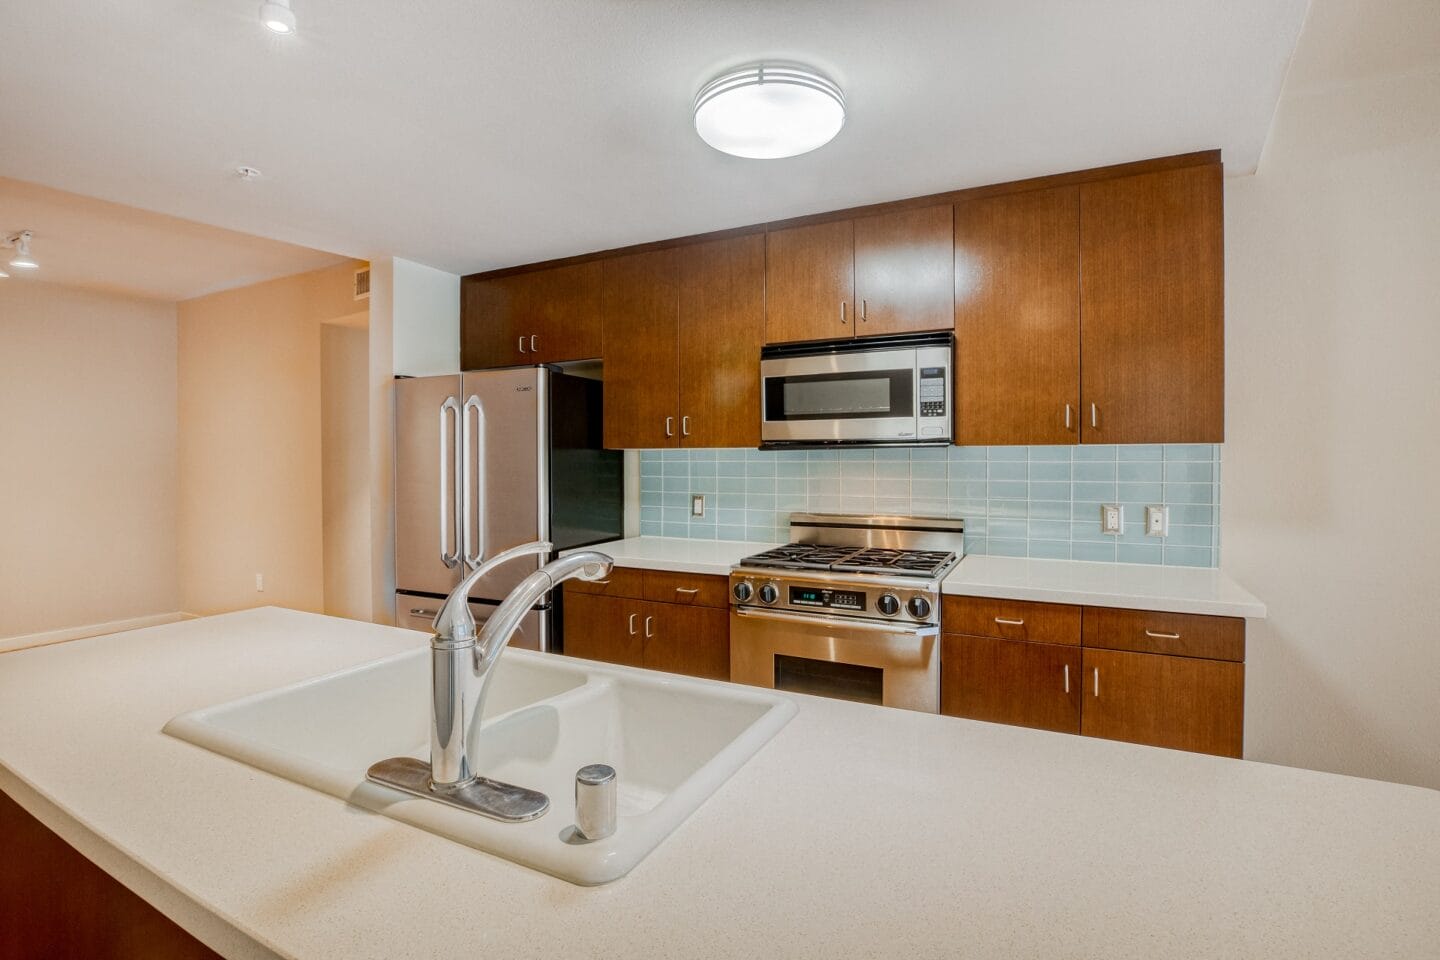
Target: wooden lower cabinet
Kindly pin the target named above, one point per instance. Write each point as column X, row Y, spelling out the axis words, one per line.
column 603, row 628
column 1183, row 703
column 685, row 636
column 1011, row 681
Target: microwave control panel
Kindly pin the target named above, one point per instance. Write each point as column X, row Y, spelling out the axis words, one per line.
column 933, row 394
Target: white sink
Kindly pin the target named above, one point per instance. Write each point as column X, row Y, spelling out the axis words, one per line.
column 672, row 741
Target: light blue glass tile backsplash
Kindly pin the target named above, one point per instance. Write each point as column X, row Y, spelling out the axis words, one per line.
column 1016, row 501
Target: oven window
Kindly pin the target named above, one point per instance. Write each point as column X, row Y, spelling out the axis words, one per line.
column 841, row 396
column 841, row 681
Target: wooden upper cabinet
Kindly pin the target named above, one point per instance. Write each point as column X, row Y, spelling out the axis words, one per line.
column 1017, row 318
column 1152, row 307
column 640, row 350
column 904, row 272
column 810, row 282
column 542, row 316
column 721, row 330
column 1179, row 702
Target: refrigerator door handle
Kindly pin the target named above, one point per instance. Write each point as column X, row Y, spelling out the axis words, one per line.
column 474, row 473
column 449, row 464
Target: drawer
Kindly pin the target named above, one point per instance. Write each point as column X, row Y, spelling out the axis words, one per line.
column 1177, row 634
column 622, row 582
column 690, row 588
column 1012, row 619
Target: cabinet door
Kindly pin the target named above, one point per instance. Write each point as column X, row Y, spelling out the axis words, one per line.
column 691, row 640
column 810, row 282
column 1017, row 318
column 496, row 317
column 603, row 628
column 1152, row 308
column 1011, row 681
column 641, row 386
column 905, row 271
column 721, row 329
column 566, row 322
column 1179, row 702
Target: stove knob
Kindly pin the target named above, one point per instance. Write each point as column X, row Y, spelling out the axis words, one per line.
column 743, row 591
column 769, row 594
column 887, row 604
column 919, row 607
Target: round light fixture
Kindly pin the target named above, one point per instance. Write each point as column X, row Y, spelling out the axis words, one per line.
column 22, row 259
column 769, row 110
column 278, row 17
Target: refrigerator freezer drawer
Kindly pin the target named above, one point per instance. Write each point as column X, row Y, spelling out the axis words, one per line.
column 416, row 613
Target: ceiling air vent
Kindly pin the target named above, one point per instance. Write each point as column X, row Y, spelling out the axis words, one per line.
column 362, row 284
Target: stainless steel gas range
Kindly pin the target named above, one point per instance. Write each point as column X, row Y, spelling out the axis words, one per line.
column 850, row 609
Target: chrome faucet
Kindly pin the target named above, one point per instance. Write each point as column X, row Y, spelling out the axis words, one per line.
column 461, row 666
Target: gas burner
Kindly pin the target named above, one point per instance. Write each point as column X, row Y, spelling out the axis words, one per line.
column 863, row 560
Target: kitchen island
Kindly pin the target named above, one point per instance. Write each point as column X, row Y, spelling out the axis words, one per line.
column 858, row 831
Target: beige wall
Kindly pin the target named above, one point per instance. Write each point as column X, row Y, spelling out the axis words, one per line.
column 250, row 441
column 345, row 467
column 87, row 458
column 1333, row 421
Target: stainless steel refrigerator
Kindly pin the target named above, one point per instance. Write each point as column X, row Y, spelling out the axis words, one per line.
column 488, row 460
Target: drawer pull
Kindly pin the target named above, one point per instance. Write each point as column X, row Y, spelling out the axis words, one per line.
column 1161, row 636
column 601, row 583
column 422, row 612
column 632, row 623
column 688, row 591
column 1010, row 623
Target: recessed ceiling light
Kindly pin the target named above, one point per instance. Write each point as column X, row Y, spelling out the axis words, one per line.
column 21, row 243
column 278, row 17
column 248, row 173
column 769, row 110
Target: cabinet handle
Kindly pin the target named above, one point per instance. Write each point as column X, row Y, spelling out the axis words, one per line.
column 422, row 612
column 522, row 344
column 1097, row 681
column 864, row 311
column 1067, row 678
column 842, row 312
column 1162, row 636
column 533, row 348
column 1094, row 416
column 684, row 426
column 1009, row 623
column 669, row 426
column 1067, row 416
column 632, row 623
column 688, row 591
column 601, row 583
column 648, row 621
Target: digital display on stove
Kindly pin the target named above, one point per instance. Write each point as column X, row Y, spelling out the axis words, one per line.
column 819, row 597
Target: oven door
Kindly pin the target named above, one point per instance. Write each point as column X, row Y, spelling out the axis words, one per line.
column 867, row 397
column 894, row 664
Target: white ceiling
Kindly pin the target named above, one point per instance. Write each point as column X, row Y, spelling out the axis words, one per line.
column 468, row 134
column 84, row 242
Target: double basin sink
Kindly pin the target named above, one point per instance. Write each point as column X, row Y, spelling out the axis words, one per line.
column 672, row 741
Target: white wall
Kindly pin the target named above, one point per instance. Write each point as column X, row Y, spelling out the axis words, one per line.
column 87, row 458
column 1330, row 510
column 426, row 315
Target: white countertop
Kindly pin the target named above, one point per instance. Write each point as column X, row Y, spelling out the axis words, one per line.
column 858, row 831
column 679, row 554
column 1132, row 585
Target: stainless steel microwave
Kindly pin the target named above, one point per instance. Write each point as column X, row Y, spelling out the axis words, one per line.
column 871, row 391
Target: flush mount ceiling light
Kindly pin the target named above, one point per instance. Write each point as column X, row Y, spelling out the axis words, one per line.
column 278, row 17
column 769, row 110
column 21, row 242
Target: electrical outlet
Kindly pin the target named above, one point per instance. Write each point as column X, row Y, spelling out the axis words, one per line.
column 260, row 582
column 1157, row 520
column 1112, row 518
column 697, row 505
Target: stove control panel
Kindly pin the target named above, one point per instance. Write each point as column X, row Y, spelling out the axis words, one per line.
column 825, row 597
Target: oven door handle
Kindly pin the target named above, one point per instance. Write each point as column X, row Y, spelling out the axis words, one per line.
column 847, row 623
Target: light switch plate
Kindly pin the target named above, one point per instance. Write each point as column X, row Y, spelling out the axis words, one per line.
column 1157, row 520
column 697, row 505
column 1112, row 518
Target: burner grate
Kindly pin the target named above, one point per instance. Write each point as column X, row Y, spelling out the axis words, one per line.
column 806, row 556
